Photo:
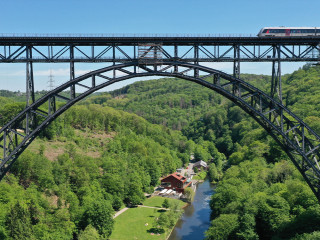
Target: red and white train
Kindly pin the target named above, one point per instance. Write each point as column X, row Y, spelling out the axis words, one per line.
column 289, row 31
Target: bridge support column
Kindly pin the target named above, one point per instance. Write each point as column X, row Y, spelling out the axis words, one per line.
column 236, row 62
column 52, row 105
column 236, row 68
column 29, row 77
column 176, row 58
column 114, row 59
column 276, row 83
column 216, row 79
column 155, row 58
column 72, row 73
column 92, row 52
column 30, row 117
column 4, row 144
column 135, row 57
column 319, row 53
column 196, row 57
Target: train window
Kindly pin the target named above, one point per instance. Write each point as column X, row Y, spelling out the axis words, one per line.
column 277, row 31
column 295, row 31
column 307, row 30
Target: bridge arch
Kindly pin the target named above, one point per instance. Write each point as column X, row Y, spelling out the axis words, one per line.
column 296, row 138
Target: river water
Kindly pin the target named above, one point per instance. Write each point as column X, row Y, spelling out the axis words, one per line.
column 196, row 217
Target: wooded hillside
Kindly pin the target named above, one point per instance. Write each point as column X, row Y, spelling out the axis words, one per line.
column 100, row 155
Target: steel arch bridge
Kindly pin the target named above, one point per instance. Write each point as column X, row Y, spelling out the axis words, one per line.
column 297, row 139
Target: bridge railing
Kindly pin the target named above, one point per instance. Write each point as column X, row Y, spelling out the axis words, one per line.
column 130, row 35
column 201, row 58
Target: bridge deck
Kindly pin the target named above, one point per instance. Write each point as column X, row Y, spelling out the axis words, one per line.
column 166, row 41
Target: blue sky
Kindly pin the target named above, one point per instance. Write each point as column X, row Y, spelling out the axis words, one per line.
column 141, row 16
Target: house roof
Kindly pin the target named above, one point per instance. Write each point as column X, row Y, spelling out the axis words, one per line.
column 201, row 164
column 177, row 176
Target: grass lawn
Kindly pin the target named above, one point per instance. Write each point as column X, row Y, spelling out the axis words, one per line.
column 200, row 176
column 131, row 225
column 157, row 201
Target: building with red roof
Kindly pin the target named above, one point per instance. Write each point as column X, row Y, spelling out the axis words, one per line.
column 176, row 182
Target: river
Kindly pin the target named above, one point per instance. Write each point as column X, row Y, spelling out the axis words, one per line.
column 196, row 217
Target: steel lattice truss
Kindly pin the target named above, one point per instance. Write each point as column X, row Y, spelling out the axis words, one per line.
column 184, row 49
column 297, row 139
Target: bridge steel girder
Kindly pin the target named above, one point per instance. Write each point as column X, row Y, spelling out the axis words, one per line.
column 214, row 49
column 296, row 138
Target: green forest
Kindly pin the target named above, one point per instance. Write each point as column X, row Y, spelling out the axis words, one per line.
column 111, row 148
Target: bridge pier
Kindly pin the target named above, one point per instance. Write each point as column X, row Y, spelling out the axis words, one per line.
column 176, row 58
column 72, row 73
column 236, row 68
column 196, row 62
column 30, row 118
column 276, row 84
column 236, row 62
column 114, row 57
column 29, row 77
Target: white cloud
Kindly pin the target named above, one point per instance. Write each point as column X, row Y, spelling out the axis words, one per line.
column 61, row 72
column 64, row 72
column 12, row 77
column 254, row 67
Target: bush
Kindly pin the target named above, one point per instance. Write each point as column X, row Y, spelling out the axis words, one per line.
column 165, row 203
column 189, row 194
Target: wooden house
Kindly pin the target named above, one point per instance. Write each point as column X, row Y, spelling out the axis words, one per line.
column 176, row 182
column 200, row 165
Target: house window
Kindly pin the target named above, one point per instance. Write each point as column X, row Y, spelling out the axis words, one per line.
column 166, row 184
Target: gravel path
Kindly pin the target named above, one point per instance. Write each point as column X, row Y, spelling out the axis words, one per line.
column 119, row 212
column 153, row 207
